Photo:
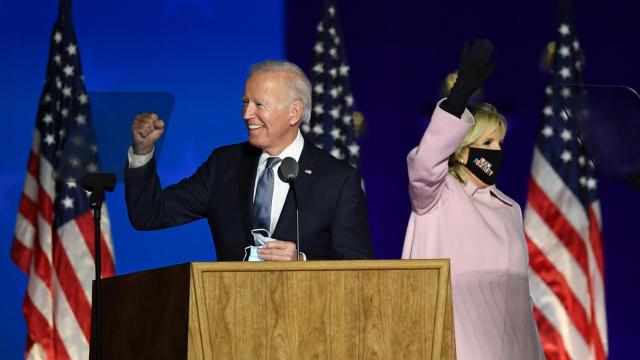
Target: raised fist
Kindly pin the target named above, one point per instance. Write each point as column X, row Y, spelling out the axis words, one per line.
column 146, row 129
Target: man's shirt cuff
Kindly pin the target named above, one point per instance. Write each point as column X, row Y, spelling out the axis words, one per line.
column 136, row 161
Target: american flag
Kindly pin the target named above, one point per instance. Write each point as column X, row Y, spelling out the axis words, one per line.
column 331, row 126
column 562, row 220
column 54, row 237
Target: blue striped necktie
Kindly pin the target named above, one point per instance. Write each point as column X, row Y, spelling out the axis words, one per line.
column 264, row 194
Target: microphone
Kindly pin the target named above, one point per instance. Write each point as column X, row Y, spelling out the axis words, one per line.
column 287, row 172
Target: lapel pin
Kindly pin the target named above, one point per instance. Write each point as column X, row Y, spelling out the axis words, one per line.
column 307, row 171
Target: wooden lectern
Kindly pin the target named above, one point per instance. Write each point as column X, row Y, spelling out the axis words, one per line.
column 362, row 309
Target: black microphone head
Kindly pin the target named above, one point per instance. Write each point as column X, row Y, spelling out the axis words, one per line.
column 98, row 181
column 288, row 170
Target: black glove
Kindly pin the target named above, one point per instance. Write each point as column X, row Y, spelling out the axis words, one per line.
column 473, row 72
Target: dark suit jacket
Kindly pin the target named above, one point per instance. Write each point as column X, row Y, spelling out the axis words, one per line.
column 333, row 213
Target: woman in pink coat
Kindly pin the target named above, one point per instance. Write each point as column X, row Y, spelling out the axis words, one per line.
column 458, row 213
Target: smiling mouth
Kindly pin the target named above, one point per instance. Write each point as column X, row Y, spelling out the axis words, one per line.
column 254, row 126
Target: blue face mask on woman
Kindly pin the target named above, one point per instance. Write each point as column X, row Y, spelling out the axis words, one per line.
column 484, row 164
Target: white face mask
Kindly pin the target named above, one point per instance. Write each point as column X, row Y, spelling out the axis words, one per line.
column 260, row 237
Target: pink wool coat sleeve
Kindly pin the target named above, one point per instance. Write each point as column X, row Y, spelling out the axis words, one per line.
column 428, row 163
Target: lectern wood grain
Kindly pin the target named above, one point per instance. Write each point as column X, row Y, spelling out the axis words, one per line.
column 392, row 309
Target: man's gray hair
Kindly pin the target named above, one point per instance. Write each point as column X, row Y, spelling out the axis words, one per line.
column 298, row 83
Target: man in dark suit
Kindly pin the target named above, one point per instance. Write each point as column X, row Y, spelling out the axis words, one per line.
column 237, row 190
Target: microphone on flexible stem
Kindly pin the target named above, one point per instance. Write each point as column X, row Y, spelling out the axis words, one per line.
column 288, row 172
column 97, row 183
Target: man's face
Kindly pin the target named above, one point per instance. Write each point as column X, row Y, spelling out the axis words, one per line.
column 269, row 118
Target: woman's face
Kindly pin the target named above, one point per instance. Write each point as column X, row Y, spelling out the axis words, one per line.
column 492, row 139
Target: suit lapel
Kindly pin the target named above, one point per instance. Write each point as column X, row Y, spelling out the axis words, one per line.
column 247, row 177
column 286, row 226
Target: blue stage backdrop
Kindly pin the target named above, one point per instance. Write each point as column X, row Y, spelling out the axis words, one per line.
column 200, row 50
column 401, row 51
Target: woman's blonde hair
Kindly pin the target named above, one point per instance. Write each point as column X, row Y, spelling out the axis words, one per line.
column 487, row 118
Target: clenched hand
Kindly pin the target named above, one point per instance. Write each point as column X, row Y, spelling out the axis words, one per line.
column 146, row 129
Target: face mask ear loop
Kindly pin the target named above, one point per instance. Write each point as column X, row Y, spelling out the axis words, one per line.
column 246, row 253
column 261, row 232
column 258, row 233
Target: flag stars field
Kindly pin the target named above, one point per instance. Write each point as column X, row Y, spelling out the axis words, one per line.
column 68, row 70
column 71, row 183
column 335, row 133
column 331, row 126
column 581, row 160
column 349, row 100
column 49, row 139
column 71, row 49
column 576, row 45
column 77, row 141
column 336, row 152
column 74, row 162
column 563, row 115
column 67, row 202
column 47, row 119
column 354, row 149
column 335, row 113
column 566, row 156
column 564, row 30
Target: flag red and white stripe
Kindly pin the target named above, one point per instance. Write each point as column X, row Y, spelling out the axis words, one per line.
column 567, row 267
column 60, row 265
